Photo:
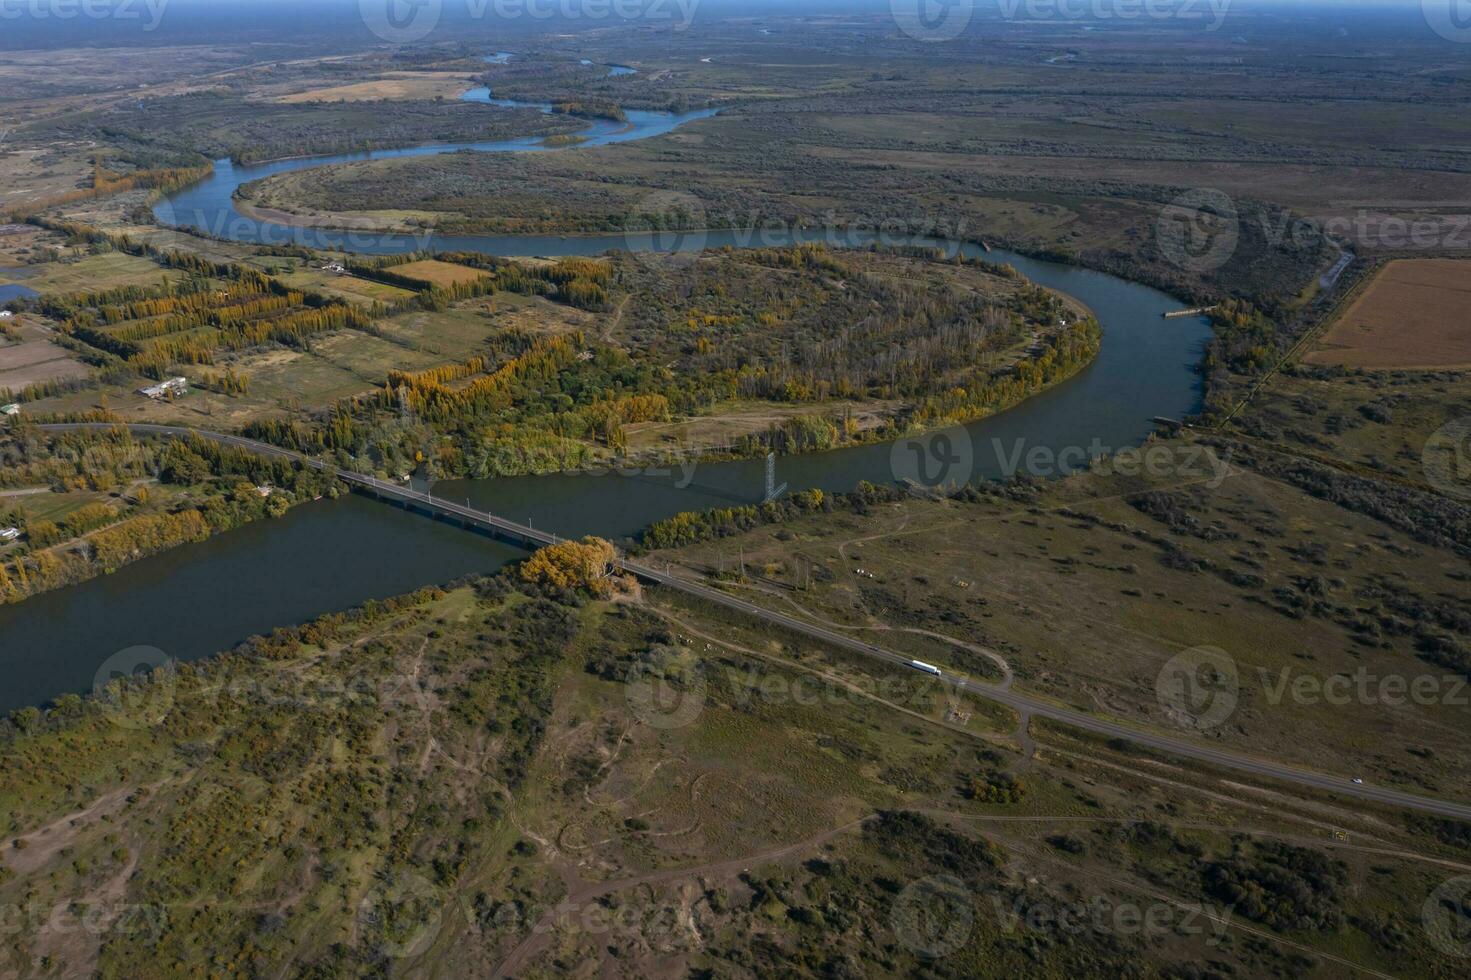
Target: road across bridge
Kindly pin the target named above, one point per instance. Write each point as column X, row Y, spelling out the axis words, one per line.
column 1021, row 703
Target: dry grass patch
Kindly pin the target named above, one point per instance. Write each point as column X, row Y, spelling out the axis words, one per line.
column 437, row 273
column 1412, row 315
column 397, row 85
column 351, row 289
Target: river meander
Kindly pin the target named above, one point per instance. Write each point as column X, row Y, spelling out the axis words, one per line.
column 328, row 555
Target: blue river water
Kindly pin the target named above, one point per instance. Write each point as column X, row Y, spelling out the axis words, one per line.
column 329, row 555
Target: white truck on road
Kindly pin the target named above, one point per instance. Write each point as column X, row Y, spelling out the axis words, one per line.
column 927, row 668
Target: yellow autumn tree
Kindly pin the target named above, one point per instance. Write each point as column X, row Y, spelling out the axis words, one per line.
column 584, row 564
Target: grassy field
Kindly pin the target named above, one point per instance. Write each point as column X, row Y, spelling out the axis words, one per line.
column 363, row 292
column 436, row 273
column 1373, row 422
column 459, row 331
column 469, row 780
column 90, row 273
column 1089, row 588
column 395, row 85
column 1412, row 315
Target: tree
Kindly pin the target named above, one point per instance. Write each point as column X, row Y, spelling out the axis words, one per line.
column 585, row 564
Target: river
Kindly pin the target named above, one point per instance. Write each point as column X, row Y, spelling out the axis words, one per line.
column 329, row 555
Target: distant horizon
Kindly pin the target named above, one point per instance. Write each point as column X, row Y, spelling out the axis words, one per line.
column 344, row 24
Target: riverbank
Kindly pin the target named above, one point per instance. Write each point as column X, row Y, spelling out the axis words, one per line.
column 336, row 554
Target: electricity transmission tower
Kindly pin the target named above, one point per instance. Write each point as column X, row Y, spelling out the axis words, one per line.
column 772, row 490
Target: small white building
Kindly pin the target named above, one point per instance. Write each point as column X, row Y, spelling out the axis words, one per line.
column 9, row 533
column 11, row 409
column 173, row 386
column 6, row 314
column 265, row 491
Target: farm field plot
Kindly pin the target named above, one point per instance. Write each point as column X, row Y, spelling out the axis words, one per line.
column 35, row 359
column 396, row 85
column 1413, row 315
column 370, row 358
column 462, row 329
column 364, row 292
column 454, row 332
column 437, row 273
column 91, row 274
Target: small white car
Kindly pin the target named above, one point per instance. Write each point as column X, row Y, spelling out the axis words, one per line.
column 1358, row 781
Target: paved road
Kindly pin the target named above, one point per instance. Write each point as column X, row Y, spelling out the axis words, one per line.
column 1036, row 707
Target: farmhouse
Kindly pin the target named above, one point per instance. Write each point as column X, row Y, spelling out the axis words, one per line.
column 173, row 386
column 9, row 533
